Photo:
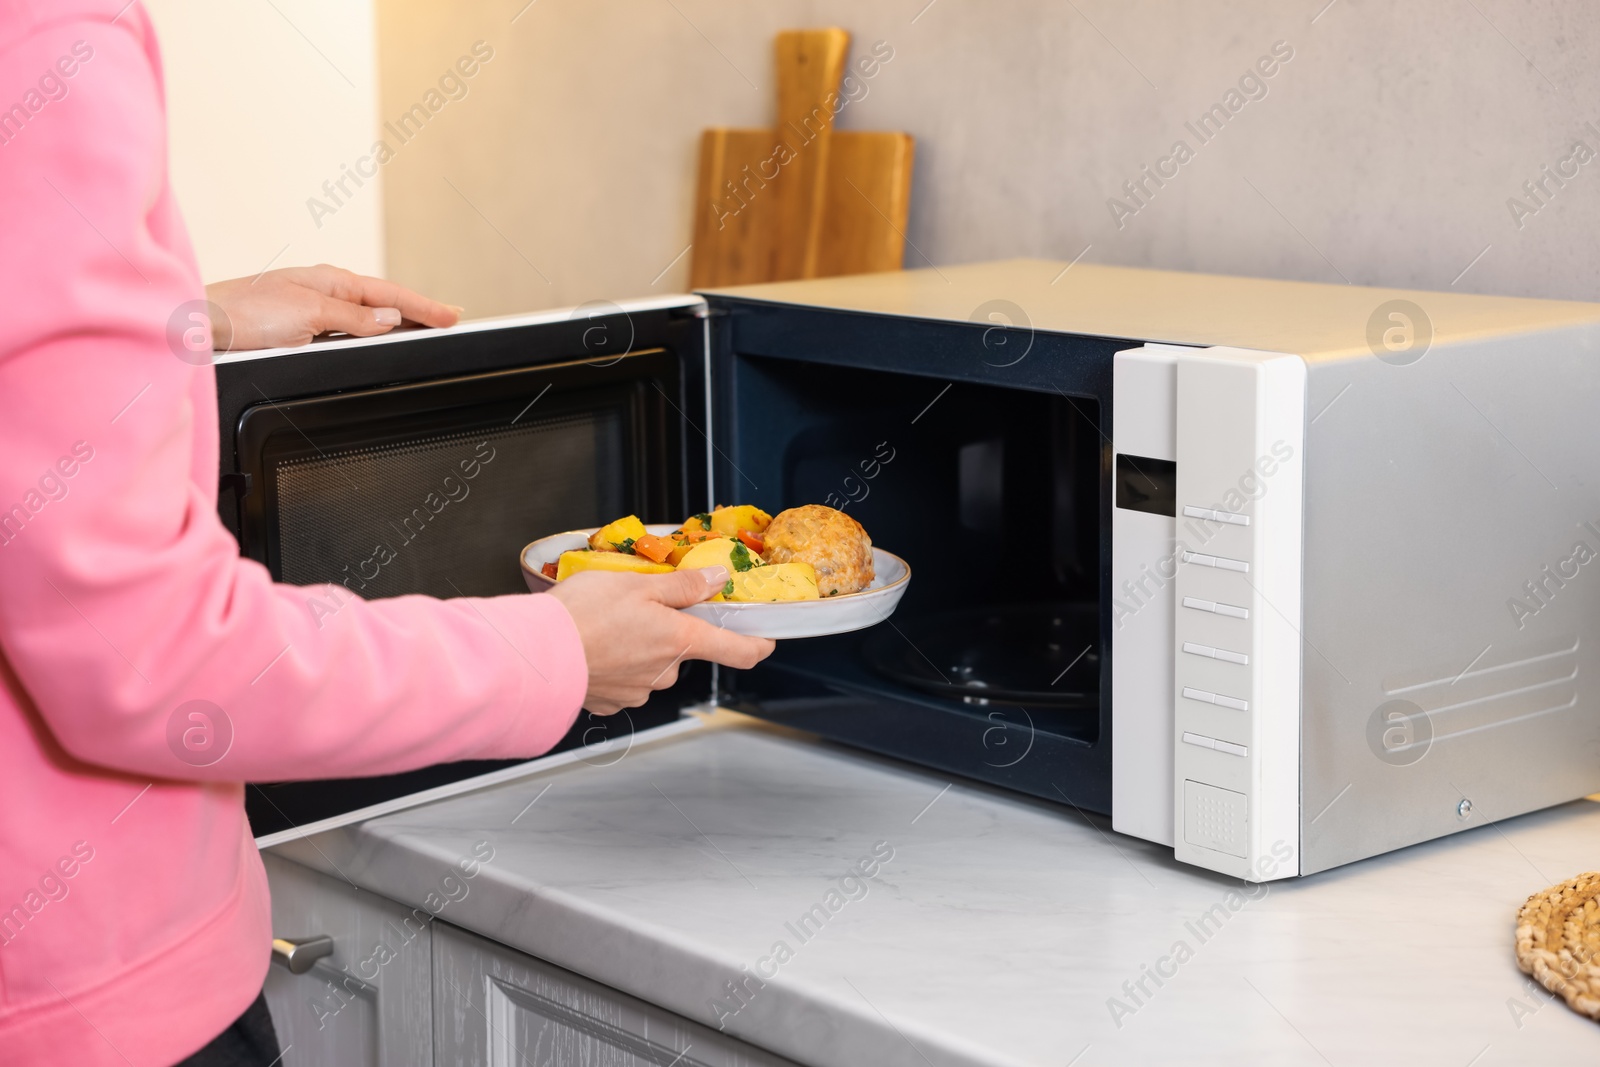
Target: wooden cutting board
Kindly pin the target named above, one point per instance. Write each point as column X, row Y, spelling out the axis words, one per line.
column 800, row 200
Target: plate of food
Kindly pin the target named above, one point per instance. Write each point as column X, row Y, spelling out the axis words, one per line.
column 805, row 572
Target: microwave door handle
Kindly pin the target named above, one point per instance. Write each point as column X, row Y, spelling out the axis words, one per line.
column 236, row 483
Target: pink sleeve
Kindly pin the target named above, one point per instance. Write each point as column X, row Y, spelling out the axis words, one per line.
column 123, row 599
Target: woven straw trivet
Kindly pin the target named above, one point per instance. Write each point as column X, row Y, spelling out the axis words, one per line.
column 1558, row 941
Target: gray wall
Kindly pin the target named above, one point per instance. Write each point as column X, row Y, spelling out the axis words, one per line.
column 1384, row 152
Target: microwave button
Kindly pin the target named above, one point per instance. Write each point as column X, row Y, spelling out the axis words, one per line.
column 1233, row 518
column 1206, row 697
column 1231, row 610
column 1202, row 741
column 1216, row 561
column 1195, row 649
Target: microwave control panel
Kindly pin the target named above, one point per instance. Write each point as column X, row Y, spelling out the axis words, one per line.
column 1206, row 605
column 1236, row 612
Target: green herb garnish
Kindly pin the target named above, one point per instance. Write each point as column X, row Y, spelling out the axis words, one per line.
column 705, row 520
column 740, row 558
column 624, row 546
column 727, row 590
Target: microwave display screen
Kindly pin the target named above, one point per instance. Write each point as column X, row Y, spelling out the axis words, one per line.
column 1145, row 484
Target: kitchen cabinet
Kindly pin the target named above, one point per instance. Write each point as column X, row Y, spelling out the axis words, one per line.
column 369, row 1002
column 448, row 997
column 492, row 1005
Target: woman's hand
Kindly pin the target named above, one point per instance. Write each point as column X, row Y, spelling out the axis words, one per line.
column 634, row 637
column 282, row 308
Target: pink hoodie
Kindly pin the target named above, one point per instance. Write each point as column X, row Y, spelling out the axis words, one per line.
column 133, row 906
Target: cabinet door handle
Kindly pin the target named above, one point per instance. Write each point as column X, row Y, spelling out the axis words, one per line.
column 297, row 956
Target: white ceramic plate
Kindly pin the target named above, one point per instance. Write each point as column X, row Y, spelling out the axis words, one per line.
column 795, row 618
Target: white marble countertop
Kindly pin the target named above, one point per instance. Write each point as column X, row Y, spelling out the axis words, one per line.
column 1001, row 931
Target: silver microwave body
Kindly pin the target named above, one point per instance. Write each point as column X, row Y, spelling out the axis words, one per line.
column 1349, row 613
column 1365, row 623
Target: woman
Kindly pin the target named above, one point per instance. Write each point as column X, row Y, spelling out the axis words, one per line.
column 134, row 920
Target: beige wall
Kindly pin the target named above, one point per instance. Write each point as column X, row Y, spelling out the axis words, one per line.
column 1384, row 151
column 265, row 103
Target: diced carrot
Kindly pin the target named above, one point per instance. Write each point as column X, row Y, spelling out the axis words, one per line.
column 653, row 548
column 751, row 541
column 693, row 537
column 549, row 570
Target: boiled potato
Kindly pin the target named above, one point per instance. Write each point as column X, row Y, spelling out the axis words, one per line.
column 777, row 581
column 687, row 540
column 607, row 538
column 697, row 523
column 721, row 552
column 581, row 560
column 717, row 552
column 729, row 521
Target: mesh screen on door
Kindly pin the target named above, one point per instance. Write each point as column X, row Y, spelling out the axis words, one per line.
column 447, row 515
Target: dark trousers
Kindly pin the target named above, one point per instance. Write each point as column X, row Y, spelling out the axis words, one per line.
column 249, row 1042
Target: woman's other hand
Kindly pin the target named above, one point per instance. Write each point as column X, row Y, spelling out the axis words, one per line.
column 634, row 637
column 283, row 308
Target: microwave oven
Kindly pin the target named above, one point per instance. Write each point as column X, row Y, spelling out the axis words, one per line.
column 1280, row 575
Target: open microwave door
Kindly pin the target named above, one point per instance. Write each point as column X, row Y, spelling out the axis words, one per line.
column 424, row 460
column 976, row 452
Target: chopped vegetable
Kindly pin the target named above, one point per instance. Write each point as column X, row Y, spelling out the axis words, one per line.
column 730, row 520
column 775, row 581
column 684, row 540
column 654, row 548
column 736, row 538
column 610, row 538
column 571, row 563
column 714, row 552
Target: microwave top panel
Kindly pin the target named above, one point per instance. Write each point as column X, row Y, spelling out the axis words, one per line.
column 1313, row 320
